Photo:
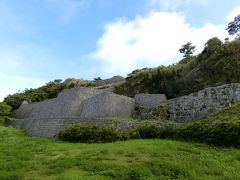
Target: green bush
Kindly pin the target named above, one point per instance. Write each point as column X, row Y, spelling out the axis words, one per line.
column 220, row 133
column 5, row 109
column 89, row 134
column 152, row 132
column 146, row 132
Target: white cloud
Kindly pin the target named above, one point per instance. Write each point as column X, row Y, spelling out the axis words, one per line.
column 172, row 5
column 233, row 14
column 66, row 9
column 12, row 84
column 18, row 63
column 150, row 40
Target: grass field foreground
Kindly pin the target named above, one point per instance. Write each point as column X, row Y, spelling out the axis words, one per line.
column 24, row 157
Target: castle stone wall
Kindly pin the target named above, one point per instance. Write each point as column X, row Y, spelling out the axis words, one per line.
column 149, row 100
column 114, row 79
column 108, row 105
column 68, row 104
column 203, row 103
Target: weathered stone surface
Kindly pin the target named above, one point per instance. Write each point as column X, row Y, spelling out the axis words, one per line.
column 68, row 104
column 114, row 79
column 108, row 105
column 149, row 100
column 77, row 105
column 87, row 105
column 203, row 103
column 50, row 127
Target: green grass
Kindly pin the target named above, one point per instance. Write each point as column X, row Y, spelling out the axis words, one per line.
column 230, row 113
column 23, row 157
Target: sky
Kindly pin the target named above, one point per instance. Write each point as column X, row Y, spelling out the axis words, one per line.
column 43, row 40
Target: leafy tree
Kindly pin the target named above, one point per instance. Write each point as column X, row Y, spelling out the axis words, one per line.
column 187, row 49
column 57, row 81
column 97, row 79
column 234, row 26
column 212, row 45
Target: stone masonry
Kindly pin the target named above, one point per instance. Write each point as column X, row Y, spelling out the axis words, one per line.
column 91, row 105
column 108, row 105
column 73, row 106
column 149, row 100
column 203, row 103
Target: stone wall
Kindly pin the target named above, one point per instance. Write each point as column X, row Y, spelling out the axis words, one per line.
column 88, row 105
column 77, row 105
column 149, row 100
column 68, row 104
column 114, row 79
column 50, row 127
column 108, row 105
column 203, row 103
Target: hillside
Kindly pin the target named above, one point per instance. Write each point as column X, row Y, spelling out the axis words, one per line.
column 217, row 64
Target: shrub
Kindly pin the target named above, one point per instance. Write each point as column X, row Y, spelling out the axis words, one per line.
column 220, row 133
column 5, row 109
column 89, row 134
column 148, row 132
column 152, row 132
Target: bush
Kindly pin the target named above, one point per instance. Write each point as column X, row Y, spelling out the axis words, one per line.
column 89, row 134
column 220, row 133
column 5, row 109
column 152, row 132
column 146, row 132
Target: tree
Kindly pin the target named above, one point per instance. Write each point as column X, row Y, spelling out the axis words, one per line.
column 212, row 45
column 97, row 79
column 57, row 81
column 234, row 26
column 187, row 49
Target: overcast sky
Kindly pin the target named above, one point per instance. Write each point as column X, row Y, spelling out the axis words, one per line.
column 43, row 40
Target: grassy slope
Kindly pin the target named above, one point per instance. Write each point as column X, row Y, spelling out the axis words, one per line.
column 35, row 158
column 230, row 113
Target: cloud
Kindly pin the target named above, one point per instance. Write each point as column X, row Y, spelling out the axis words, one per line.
column 172, row 5
column 233, row 14
column 149, row 40
column 24, row 65
column 12, row 84
column 66, row 9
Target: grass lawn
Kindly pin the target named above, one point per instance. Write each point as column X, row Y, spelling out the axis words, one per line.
column 23, row 157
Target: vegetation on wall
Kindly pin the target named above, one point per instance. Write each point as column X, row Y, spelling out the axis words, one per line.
column 5, row 109
column 48, row 91
column 217, row 64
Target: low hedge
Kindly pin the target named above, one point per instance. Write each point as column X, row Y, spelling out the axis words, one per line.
column 152, row 132
column 89, row 134
column 220, row 133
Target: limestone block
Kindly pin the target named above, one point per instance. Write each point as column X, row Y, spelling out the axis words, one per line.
column 114, row 79
column 203, row 103
column 149, row 100
column 108, row 105
column 67, row 104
